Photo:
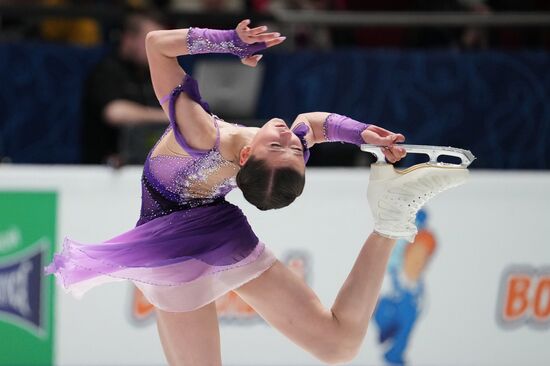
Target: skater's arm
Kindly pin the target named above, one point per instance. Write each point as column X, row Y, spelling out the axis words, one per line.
column 330, row 127
column 163, row 48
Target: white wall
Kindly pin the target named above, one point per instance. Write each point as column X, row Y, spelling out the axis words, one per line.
column 497, row 220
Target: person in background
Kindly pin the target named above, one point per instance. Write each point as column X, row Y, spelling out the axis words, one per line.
column 119, row 95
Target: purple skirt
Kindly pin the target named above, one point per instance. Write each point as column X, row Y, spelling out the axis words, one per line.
column 180, row 261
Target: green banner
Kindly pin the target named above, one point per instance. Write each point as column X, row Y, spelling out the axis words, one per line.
column 27, row 243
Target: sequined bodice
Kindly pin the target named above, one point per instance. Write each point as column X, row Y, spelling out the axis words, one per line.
column 178, row 177
column 174, row 181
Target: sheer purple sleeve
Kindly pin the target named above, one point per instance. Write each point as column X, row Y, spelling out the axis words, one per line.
column 203, row 40
column 344, row 129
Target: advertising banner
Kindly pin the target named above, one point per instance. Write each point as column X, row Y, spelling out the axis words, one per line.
column 472, row 289
column 27, row 237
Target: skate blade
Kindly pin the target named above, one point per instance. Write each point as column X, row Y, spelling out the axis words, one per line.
column 434, row 152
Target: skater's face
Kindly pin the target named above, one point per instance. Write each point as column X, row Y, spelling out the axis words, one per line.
column 272, row 167
column 276, row 144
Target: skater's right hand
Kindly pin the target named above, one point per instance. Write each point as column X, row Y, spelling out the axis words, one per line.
column 379, row 136
column 258, row 34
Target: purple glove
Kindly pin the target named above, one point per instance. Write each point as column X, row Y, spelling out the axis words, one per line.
column 203, row 40
column 344, row 129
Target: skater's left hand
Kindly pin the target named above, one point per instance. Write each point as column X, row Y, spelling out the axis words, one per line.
column 379, row 136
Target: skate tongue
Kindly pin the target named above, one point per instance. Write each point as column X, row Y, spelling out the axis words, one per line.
column 434, row 152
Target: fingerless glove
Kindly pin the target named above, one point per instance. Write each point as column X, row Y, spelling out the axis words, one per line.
column 203, row 40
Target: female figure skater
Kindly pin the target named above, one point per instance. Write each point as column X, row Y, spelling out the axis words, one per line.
column 190, row 246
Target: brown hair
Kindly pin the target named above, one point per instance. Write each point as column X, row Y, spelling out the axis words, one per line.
column 269, row 188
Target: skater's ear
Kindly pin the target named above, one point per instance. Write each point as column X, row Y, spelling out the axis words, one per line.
column 244, row 155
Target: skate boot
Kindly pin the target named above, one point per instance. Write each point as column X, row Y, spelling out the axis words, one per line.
column 395, row 196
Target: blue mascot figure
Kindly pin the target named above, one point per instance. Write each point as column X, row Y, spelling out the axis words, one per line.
column 397, row 311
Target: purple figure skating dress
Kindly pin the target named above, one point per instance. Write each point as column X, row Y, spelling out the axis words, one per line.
column 190, row 245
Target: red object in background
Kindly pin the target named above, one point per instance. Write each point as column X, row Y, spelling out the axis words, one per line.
column 260, row 6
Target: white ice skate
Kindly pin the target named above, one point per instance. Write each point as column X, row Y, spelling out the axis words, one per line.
column 395, row 196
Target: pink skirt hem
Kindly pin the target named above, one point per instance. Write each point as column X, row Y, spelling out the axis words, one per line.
column 202, row 291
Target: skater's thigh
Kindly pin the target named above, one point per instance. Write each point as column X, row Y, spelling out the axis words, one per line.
column 286, row 302
column 190, row 338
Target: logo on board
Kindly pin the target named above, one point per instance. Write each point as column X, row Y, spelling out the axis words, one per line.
column 27, row 237
column 524, row 297
column 21, row 299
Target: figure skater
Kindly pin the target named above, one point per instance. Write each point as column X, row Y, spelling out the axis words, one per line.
column 190, row 246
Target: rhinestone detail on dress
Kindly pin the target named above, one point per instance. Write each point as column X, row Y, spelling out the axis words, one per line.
column 174, row 183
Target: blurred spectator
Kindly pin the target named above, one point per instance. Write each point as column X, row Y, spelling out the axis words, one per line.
column 119, row 99
column 475, row 37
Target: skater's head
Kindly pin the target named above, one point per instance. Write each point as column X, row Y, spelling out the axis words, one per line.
column 272, row 170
